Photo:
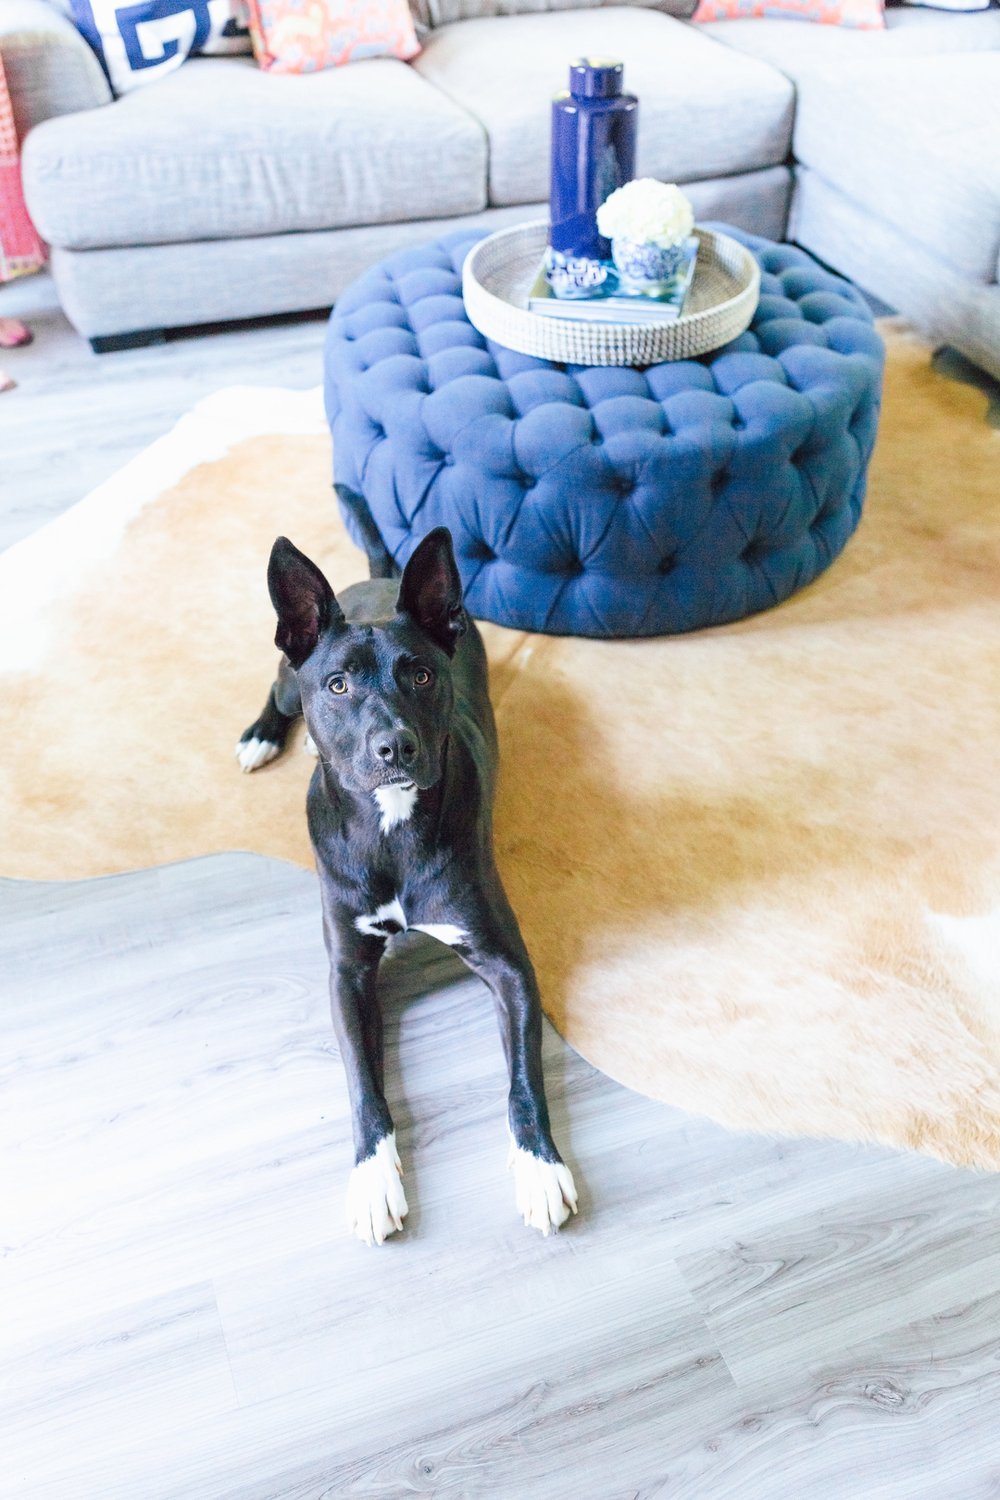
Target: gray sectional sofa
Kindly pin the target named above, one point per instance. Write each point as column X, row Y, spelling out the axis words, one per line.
column 221, row 192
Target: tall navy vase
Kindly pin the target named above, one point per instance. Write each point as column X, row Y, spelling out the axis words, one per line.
column 593, row 153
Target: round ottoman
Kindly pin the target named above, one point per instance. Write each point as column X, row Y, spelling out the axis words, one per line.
column 595, row 501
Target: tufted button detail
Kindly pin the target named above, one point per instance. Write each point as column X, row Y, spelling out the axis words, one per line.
column 636, row 495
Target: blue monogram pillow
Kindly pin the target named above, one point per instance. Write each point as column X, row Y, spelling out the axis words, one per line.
column 137, row 42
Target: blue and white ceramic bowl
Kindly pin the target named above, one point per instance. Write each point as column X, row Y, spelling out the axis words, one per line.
column 645, row 266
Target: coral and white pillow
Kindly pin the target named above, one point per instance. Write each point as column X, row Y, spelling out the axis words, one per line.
column 137, row 43
column 305, row 36
column 865, row 15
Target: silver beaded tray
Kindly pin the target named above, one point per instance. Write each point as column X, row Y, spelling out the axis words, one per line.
column 500, row 270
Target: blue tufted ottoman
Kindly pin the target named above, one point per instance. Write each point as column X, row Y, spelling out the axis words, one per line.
column 605, row 502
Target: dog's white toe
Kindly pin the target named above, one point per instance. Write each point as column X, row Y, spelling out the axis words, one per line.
column 252, row 754
column 376, row 1202
column 546, row 1193
column 310, row 746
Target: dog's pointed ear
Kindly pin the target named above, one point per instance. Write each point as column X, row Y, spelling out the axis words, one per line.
column 431, row 590
column 303, row 600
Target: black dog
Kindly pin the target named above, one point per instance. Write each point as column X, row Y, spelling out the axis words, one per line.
column 393, row 685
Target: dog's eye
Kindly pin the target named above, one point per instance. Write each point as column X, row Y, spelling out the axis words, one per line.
column 423, row 677
column 338, row 684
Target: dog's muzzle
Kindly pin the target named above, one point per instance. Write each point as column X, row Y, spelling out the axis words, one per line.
column 396, row 749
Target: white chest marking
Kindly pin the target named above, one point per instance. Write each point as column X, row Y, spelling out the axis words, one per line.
column 390, row 918
column 395, row 803
column 386, row 920
column 445, row 932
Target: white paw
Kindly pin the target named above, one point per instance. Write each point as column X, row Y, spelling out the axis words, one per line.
column 252, row 754
column 546, row 1193
column 376, row 1202
column 310, row 746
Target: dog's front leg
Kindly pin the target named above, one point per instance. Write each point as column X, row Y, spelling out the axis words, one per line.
column 546, row 1194
column 376, row 1202
column 267, row 734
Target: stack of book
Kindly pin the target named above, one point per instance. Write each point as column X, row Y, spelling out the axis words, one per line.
column 614, row 301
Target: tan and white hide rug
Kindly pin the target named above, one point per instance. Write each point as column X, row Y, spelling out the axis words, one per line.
column 758, row 867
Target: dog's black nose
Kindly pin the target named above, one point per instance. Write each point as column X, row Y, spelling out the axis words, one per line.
column 398, row 749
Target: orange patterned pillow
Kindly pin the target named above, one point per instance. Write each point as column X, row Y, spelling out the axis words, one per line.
column 303, row 36
column 865, row 15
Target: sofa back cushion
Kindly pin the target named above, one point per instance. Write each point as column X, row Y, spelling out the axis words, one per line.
column 430, row 13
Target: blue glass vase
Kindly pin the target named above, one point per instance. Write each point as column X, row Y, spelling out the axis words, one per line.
column 593, row 153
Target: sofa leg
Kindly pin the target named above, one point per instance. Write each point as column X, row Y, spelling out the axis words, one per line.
column 111, row 343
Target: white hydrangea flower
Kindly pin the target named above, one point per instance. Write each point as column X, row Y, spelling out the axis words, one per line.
column 648, row 211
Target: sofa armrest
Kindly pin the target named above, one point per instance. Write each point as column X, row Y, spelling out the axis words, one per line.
column 50, row 69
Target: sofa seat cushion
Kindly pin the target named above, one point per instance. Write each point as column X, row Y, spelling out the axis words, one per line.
column 220, row 149
column 916, row 142
column 705, row 111
column 909, row 32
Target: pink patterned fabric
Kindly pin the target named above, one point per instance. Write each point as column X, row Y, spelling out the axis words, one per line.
column 20, row 248
column 304, row 36
column 864, row 15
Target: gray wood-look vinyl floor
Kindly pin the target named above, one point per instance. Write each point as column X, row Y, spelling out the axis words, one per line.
column 182, row 1313
column 75, row 417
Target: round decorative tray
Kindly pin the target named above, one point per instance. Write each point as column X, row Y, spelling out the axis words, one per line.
column 500, row 271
